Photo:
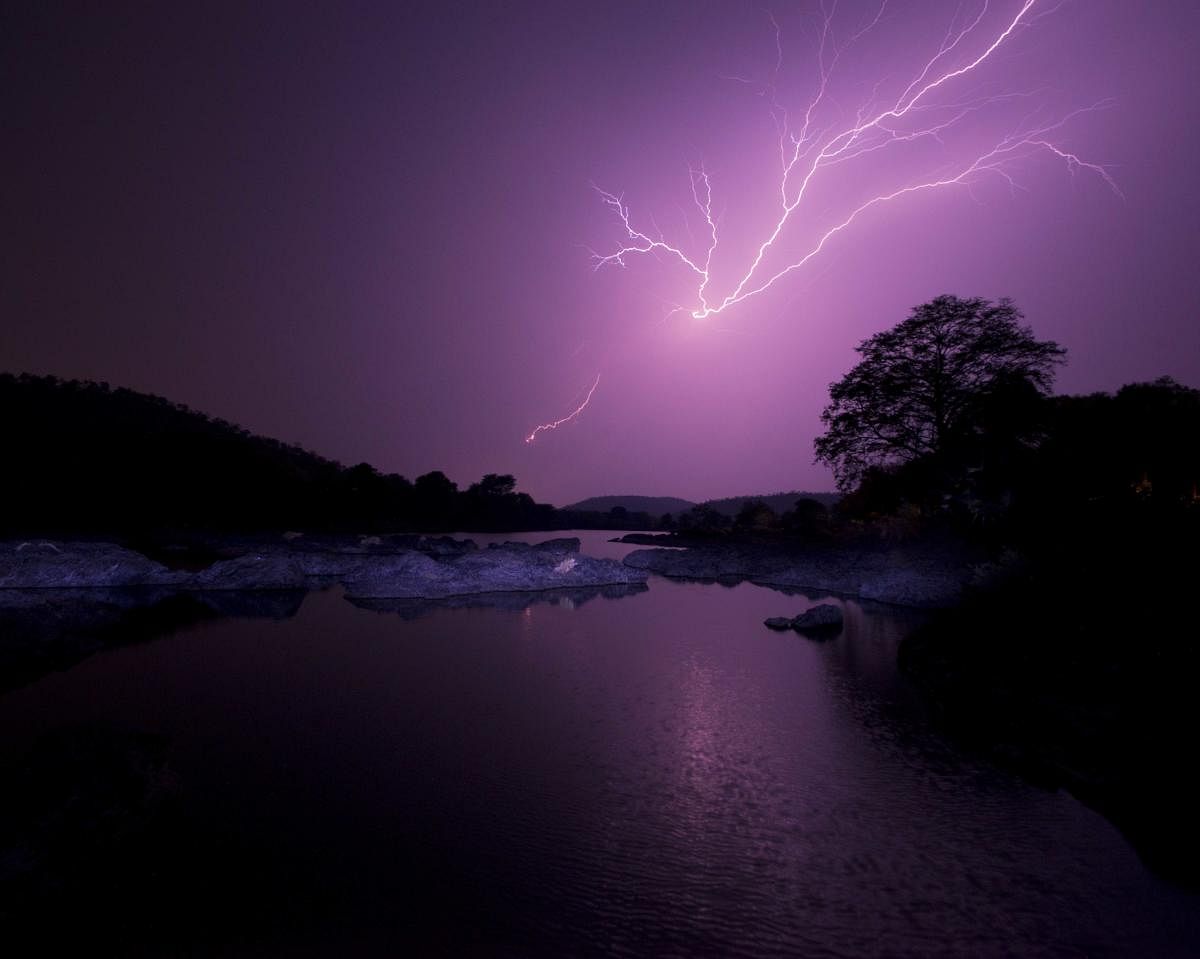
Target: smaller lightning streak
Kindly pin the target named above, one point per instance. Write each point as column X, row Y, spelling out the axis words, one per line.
column 546, row 427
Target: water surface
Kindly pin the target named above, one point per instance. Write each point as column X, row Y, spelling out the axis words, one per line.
column 655, row 775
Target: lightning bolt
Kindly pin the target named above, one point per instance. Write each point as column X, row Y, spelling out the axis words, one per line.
column 547, row 427
column 805, row 151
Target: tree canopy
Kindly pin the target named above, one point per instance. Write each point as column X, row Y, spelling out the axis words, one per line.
column 85, row 458
column 927, row 386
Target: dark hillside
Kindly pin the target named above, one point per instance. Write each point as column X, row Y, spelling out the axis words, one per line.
column 83, row 458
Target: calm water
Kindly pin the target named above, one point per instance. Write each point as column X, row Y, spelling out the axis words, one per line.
column 654, row 775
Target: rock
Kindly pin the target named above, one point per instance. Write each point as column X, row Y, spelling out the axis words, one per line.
column 825, row 618
column 931, row 576
column 562, row 544
column 707, row 562
column 408, row 574
column 323, row 567
column 445, row 546
column 266, row 570
column 41, row 564
column 429, row 568
column 511, row 567
column 648, row 539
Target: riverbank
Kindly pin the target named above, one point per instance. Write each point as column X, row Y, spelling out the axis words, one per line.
column 1039, row 676
column 1077, row 670
column 929, row 573
column 1067, row 668
column 62, row 601
column 414, row 781
column 394, row 567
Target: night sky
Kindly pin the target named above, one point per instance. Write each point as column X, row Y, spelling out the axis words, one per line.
column 368, row 228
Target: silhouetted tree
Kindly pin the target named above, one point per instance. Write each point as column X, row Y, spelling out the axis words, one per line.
column 755, row 514
column 702, row 519
column 809, row 517
column 494, row 484
column 930, row 387
column 436, row 499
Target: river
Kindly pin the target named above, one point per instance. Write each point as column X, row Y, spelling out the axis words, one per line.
column 650, row 775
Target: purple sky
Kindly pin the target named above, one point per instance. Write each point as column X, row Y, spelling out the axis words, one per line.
column 368, row 232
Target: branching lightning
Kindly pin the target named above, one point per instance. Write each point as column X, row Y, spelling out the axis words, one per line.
column 812, row 146
column 806, row 150
column 547, row 427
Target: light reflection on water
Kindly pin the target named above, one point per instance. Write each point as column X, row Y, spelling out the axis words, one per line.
column 654, row 775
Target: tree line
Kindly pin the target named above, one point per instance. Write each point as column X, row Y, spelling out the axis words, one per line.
column 83, row 457
column 949, row 417
column 1066, row 657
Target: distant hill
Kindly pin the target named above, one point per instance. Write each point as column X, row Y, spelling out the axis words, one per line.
column 87, row 458
column 656, row 506
column 779, row 502
column 82, row 457
column 653, row 505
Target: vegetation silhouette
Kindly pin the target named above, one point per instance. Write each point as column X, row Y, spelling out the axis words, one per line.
column 1066, row 658
column 87, row 459
column 926, row 390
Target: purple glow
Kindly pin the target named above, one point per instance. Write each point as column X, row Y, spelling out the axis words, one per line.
column 370, row 233
column 555, row 424
column 806, row 151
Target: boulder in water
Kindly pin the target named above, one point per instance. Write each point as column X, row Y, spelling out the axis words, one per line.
column 825, row 618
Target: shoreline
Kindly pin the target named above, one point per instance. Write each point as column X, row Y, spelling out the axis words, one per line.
column 402, row 567
column 920, row 575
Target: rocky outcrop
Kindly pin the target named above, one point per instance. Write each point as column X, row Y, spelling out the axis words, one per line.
column 821, row 621
column 711, row 562
column 921, row 577
column 511, row 567
column 654, row 539
column 40, row 564
column 408, row 567
column 264, row 570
